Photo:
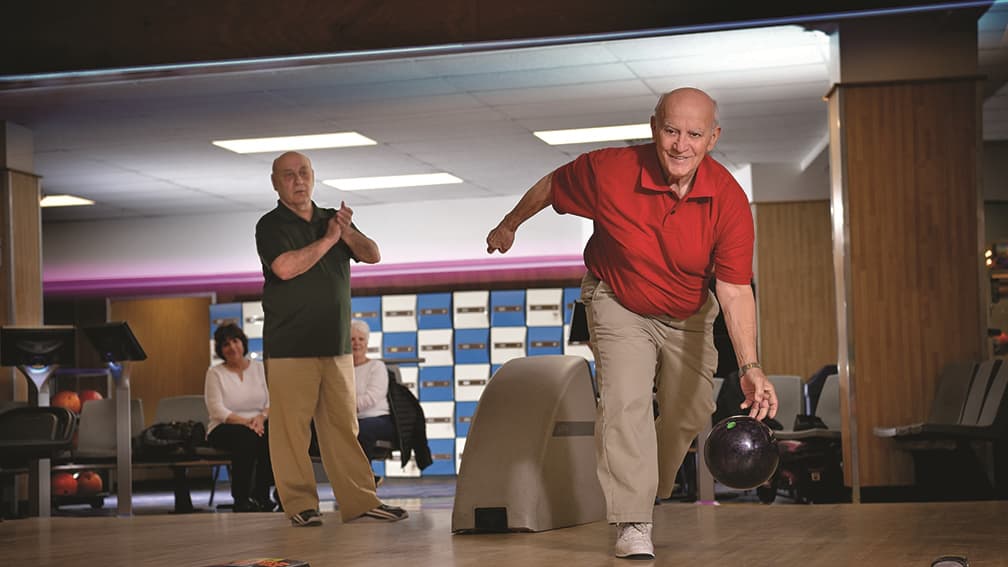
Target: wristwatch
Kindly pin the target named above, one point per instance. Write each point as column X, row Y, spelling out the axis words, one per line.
column 747, row 367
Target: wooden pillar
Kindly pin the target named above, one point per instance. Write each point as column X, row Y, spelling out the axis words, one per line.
column 20, row 243
column 905, row 142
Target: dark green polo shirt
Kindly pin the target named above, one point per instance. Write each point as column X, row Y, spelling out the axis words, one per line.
column 308, row 315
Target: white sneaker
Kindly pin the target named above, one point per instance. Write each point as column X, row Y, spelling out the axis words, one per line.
column 633, row 541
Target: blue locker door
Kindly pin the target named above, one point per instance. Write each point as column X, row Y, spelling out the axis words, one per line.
column 367, row 309
column 507, row 308
column 437, row 383
column 434, row 311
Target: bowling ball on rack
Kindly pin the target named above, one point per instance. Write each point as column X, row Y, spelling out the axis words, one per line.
column 67, row 399
column 88, row 482
column 741, row 452
column 88, row 395
column 64, row 484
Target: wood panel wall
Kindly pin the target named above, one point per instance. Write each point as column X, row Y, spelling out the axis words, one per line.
column 794, row 287
column 910, row 168
column 20, row 264
column 175, row 334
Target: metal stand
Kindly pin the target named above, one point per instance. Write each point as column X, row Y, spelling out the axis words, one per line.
column 37, row 352
column 124, row 439
column 40, row 483
column 117, row 346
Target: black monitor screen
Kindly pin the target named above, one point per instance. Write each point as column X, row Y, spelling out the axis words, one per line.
column 115, row 342
column 37, row 346
column 579, row 325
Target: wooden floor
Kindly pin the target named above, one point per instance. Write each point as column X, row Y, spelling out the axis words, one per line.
column 732, row 534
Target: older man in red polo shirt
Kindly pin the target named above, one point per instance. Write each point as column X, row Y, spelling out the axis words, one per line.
column 667, row 218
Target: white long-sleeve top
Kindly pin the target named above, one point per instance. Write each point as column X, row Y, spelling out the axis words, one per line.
column 227, row 393
column 371, row 379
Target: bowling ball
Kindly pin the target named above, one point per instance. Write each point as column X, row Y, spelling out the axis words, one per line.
column 67, row 399
column 89, row 482
column 741, row 452
column 64, row 484
column 88, row 395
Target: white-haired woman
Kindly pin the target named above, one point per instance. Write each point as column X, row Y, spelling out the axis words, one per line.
column 372, row 380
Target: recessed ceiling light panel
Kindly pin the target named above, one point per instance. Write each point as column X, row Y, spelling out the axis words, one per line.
column 392, row 181
column 291, row 143
column 601, row 134
column 64, row 201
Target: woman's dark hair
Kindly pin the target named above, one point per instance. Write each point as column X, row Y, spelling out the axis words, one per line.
column 225, row 333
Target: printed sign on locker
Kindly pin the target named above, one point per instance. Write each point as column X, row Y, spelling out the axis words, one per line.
column 472, row 309
column 544, row 307
column 399, row 313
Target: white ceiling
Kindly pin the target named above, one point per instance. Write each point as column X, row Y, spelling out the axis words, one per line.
column 142, row 147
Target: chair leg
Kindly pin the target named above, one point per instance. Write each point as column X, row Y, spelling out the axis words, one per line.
column 213, row 484
column 183, row 498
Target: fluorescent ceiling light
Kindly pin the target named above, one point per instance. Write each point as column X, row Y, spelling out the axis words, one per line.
column 390, row 181
column 602, row 134
column 64, row 201
column 288, row 143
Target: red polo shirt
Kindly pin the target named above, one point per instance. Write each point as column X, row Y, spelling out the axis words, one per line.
column 657, row 252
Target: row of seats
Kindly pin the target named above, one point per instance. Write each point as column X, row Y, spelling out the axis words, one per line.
column 96, row 443
column 967, row 425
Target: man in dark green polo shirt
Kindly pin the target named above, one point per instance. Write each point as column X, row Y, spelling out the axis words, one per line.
column 305, row 253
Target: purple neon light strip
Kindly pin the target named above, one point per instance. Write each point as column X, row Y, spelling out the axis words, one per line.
column 372, row 274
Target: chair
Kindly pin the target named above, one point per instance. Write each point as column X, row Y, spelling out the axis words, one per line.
column 192, row 407
column 789, row 398
column 946, row 463
column 949, row 401
column 811, row 460
column 28, row 433
column 96, row 439
column 827, row 407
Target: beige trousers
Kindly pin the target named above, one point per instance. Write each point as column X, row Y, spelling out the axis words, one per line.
column 322, row 388
column 638, row 456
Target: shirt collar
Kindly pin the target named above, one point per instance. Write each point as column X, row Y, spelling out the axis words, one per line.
column 653, row 179
column 289, row 215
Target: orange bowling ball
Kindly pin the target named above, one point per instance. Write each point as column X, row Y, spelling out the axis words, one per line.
column 88, row 395
column 67, row 399
column 64, row 484
column 89, row 482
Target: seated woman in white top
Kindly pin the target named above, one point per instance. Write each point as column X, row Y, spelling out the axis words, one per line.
column 238, row 402
column 372, row 380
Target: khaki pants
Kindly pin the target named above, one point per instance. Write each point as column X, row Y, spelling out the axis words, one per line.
column 638, row 457
column 323, row 388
